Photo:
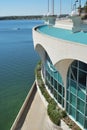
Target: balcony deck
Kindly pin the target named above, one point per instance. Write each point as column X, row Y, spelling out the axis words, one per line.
column 64, row 34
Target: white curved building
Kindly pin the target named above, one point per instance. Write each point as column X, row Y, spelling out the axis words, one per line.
column 64, row 57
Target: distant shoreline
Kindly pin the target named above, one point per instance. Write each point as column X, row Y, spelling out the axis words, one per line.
column 21, row 17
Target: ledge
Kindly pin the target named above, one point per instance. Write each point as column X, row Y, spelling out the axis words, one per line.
column 24, row 109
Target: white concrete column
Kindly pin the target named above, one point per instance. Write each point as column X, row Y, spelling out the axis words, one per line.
column 63, row 67
column 52, row 7
column 48, row 6
column 60, row 7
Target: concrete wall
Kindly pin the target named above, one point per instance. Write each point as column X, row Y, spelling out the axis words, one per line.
column 59, row 49
column 24, row 109
column 41, row 52
column 63, row 67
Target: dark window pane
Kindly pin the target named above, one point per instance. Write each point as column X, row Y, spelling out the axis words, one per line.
column 52, row 80
column 63, row 92
column 72, row 77
column 67, row 107
column 51, row 88
column 83, row 66
column 68, row 95
column 85, row 123
column 59, row 99
column 75, row 63
column 63, row 103
column 55, row 94
column 59, row 89
column 48, row 77
column 55, row 84
column 74, row 73
column 82, row 78
column 68, row 80
column 86, row 110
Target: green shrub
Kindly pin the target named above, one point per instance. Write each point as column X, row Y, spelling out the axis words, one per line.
column 46, row 95
column 50, row 109
column 51, row 106
column 78, row 129
column 64, row 114
column 53, row 102
column 53, row 113
column 55, row 116
column 38, row 69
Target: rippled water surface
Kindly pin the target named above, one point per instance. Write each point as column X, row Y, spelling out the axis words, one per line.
column 17, row 63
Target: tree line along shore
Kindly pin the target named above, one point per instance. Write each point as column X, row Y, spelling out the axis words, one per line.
column 21, row 17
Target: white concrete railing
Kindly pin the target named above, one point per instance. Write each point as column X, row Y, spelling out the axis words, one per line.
column 23, row 108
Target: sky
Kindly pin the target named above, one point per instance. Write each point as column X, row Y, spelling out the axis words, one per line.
column 34, row 7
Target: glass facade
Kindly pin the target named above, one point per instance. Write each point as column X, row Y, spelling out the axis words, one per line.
column 54, row 82
column 76, row 89
column 76, row 100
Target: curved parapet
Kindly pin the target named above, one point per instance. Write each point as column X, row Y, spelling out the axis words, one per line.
column 59, row 49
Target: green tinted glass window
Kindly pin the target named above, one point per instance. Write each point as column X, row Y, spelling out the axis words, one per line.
column 73, row 100
column 80, row 105
column 73, row 86
column 72, row 111
column 81, row 94
column 80, row 118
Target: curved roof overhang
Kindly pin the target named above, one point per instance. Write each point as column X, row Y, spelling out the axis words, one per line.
column 59, row 49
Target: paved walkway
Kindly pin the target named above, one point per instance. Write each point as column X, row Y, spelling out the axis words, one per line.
column 33, row 114
column 37, row 118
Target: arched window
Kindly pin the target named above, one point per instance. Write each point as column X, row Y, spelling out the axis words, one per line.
column 54, row 81
column 76, row 102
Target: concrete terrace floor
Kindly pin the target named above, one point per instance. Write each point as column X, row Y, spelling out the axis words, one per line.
column 37, row 118
column 33, row 113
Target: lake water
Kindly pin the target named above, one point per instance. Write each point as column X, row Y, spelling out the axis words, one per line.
column 17, row 64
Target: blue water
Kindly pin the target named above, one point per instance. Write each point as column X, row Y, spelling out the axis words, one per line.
column 17, row 63
column 64, row 34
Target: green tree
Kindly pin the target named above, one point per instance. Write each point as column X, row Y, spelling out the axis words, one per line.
column 85, row 10
column 85, row 7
